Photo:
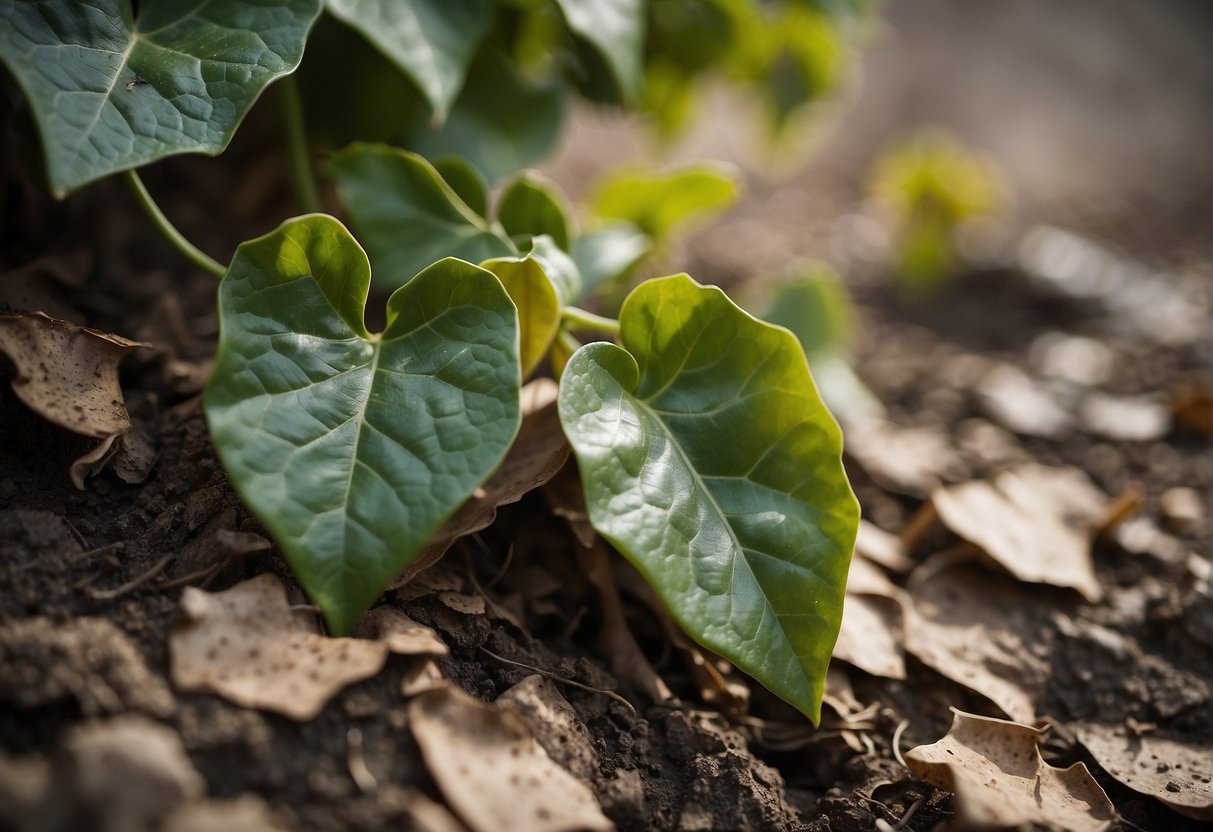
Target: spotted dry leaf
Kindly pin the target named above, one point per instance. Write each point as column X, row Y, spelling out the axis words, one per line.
column 491, row 770
column 1176, row 773
column 1000, row 781
column 246, row 645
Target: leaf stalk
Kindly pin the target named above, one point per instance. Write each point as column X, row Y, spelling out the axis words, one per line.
column 190, row 251
column 575, row 318
column 302, row 176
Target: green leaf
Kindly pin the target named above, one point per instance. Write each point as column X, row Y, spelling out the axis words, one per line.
column 560, row 268
column 816, row 307
column 406, row 215
column 532, row 291
column 501, row 122
column 431, row 41
column 658, row 203
column 532, row 205
column 111, row 91
column 609, row 253
column 465, row 181
column 354, row 448
column 616, row 29
column 710, row 463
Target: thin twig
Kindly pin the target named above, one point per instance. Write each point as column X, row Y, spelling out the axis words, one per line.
column 555, row 678
column 914, row 807
column 901, row 727
column 133, row 583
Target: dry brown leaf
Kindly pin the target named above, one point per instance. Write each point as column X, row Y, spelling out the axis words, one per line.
column 422, row 676
column 1035, row 522
column 1173, row 772
column 555, row 724
column 246, row 645
column 68, row 375
column 1023, row 404
column 400, row 633
column 881, row 547
column 870, row 637
column 976, row 627
column 1000, row 781
column 491, row 770
column 246, row 813
column 1125, row 418
column 536, row 455
column 911, row 461
column 43, row 285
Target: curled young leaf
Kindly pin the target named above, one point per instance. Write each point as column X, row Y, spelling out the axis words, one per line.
column 709, row 461
column 352, row 447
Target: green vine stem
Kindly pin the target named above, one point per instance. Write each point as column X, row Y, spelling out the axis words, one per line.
column 191, row 252
column 575, row 318
column 297, row 148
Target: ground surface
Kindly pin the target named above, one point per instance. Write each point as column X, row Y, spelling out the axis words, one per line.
column 91, row 580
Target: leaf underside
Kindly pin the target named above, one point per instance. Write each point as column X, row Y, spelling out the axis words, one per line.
column 354, row 448
column 110, row 91
column 709, row 461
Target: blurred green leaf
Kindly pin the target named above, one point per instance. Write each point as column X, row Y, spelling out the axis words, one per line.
column 111, row 91
column 661, row 202
column 465, row 181
column 709, row 462
column 532, row 205
column 616, row 30
column 609, row 253
column 431, row 41
column 353, row 448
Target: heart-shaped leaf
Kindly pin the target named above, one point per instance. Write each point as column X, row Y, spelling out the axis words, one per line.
column 616, row 30
column 709, row 461
column 111, row 90
column 407, row 216
column 353, row 448
column 532, row 205
column 431, row 41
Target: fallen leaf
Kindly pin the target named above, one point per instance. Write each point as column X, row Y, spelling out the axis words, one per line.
column 977, row 628
column 1022, row 403
column 870, row 637
column 491, row 770
column 43, row 285
column 68, row 375
column 536, row 455
column 1183, row 510
column 246, row 645
column 1125, row 418
column 1035, row 522
column 1000, row 781
column 879, row 546
column 400, row 633
column 911, row 461
column 554, row 724
column 1176, row 773
column 1087, row 362
column 421, row 677
column 246, row 813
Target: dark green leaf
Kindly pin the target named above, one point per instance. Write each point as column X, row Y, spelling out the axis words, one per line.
column 406, row 215
column 465, row 181
column 501, row 122
column 616, row 30
column 532, row 205
column 709, row 461
column 609, row 253
column 815, row 306
column 353, row 448
column 111, row 91
column 431, row 41
column 658, row 203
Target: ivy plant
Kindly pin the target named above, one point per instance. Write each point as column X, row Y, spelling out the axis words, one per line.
column 706, row 455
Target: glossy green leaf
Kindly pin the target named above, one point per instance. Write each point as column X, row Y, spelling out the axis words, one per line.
column 465, row 181
column 609, row 253
column 431, row 41
column 659, row 203
column 353, row 448
column 616, row 30
column 112, row 91
column 406, row 215
column 709, row 461
column 532, row 291
column 501, row 122
column 532, row 205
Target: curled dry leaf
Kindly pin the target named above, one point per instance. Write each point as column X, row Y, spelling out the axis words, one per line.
column 1000, row 781
column 491, row 770
column 1176, row 773
column 911, row 461
column 975, row 627
column 68, row 375
column 1034, row 521
column 536, row 455
column 246, row 645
